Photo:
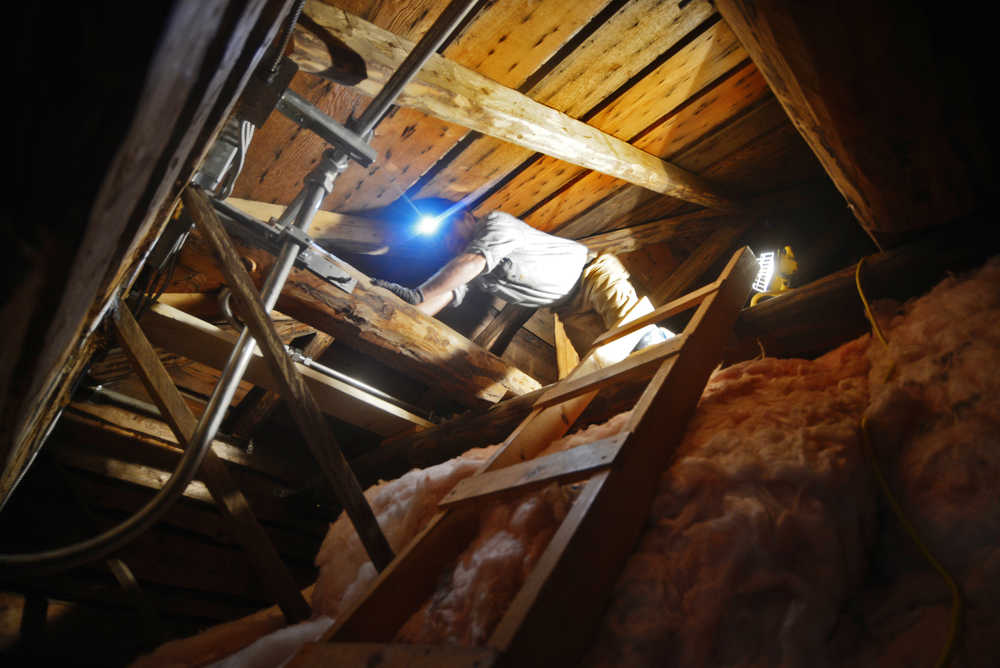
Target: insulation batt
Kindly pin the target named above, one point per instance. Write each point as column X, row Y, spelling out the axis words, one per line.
column 758, row 531
column 767, row 543
column 934, row 418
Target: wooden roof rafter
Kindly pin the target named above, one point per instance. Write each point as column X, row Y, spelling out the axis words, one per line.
column 456, row 94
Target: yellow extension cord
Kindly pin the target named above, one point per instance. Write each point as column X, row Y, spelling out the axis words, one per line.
column 957, row 610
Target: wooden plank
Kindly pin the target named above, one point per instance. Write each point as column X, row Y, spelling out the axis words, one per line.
column 566, row 356
column 408, row 142
column 628, row 41
column 718, row 244
column 895, row 173
column 226, row 494
column 679, row 305
column 376, row 323
column 578, row 568
column 145, row 427
column 563, row 467
column 630, row 202
column 695, row 67
column 799, row 324
column 303, row 406
column 205, row 55
column 282, row 153
column 442, row 89
column 634, row 364
column 88, row 440
column 503, row 327
column 210, row 345
column 349, row 233
column 392, row 655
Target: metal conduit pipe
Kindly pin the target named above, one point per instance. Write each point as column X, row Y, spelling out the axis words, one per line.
column 318, row 184
column 354, row 382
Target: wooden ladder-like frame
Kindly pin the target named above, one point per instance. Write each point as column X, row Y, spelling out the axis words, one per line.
column 552, row 617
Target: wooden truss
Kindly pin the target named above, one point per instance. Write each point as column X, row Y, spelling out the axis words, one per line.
column 552, row 616
column 304, row 408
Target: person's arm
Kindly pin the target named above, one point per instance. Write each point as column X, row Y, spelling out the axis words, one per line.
column 437, row 290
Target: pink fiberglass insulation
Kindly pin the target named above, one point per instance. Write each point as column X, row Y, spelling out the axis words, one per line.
column 475, row 590
column 402, row 506
column 935, row 424
column 758, row 531
column 768, row 542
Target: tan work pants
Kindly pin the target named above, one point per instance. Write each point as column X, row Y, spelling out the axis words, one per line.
column 604, row 299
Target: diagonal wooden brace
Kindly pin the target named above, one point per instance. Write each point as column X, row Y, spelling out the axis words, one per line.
column 300, row 400
column 227, row 495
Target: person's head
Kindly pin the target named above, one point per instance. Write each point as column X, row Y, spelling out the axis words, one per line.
column 455, row 224
column 461, row 227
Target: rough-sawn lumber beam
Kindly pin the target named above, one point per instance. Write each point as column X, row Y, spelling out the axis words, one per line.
column 456, row 94
column 377, row 323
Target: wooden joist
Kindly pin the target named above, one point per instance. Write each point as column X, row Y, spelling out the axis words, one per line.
column 458, row 95
column 680, row 281
column 908, row 161
column 201, row 341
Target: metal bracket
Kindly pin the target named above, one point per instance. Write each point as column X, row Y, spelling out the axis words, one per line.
column 324, row 264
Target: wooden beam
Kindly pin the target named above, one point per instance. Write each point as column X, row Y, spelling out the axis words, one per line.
column 719, row 244
column 353, row 234
column 566, row 355
column 497, row 335
column 226, row 494
column 305, row 411
column 256, row 408
column 205, row 55
column 459, row 95
column 633, row 238
column 798, row 323
column 206, row 343
column 904, row 163
column 375, row 322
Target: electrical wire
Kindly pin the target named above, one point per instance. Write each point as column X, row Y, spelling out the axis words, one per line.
column 957, row 605
column 245, row 137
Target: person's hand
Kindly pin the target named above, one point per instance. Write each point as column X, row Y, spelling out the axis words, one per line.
column 410, row 295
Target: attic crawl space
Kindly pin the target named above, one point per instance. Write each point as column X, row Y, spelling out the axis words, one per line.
column 233, row 434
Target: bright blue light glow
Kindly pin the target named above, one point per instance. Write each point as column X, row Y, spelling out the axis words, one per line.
column 428, row 225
